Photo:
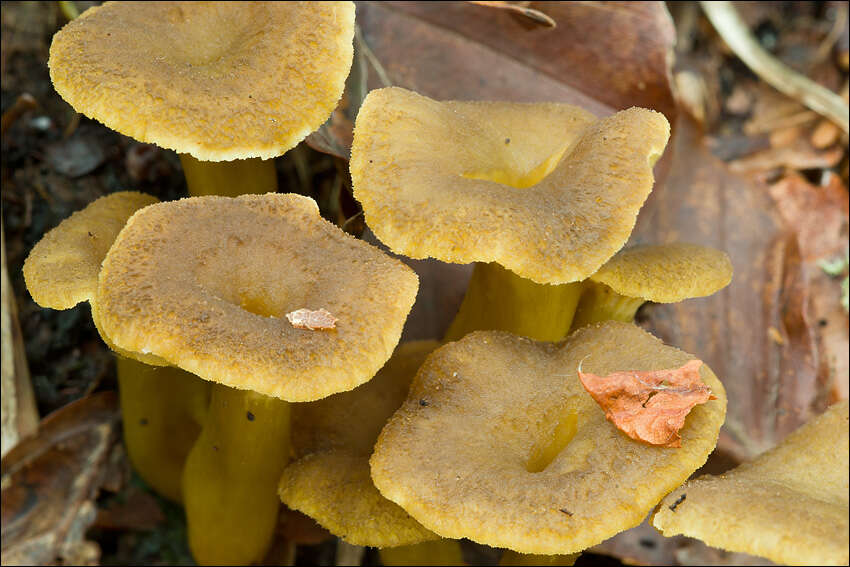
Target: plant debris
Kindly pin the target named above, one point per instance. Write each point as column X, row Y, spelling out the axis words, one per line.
column 312, row 320
column 649, row 406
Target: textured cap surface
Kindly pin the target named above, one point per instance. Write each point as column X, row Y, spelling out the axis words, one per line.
column 62, row 268
column 666, row 273
column 205, row 284
column 459, row 462
column 790, row 504
column 461, row 181
column 217, row 80
column 333, row 439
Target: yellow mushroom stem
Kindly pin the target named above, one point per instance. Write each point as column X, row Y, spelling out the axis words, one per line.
column 498, row 299
column 513, row 558
column 231, row 476
column 601, row 303
column 163, row 408
column 437, row 552
column 229, row 178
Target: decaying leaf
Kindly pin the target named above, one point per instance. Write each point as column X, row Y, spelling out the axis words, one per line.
column 50, row 482
column 312, row 320
column 649, row 406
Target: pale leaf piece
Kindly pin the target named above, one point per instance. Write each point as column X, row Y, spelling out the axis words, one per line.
column 312, row 320
column 649, row 406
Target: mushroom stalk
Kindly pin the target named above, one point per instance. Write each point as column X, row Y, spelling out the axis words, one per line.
column 229, row 178
column 601, row 303
column 498, row 299
column 231, row 476
column 159, row 430
column 438, row 552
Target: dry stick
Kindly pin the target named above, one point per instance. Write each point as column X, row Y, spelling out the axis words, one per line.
column 734, row 32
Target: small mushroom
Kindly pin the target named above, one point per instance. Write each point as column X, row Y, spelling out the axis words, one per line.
column 666, row 273
column 512, row 452
column 332, row 441
column 61, row 271
column 205, row 284
column 789, row 505
column 541, row 195
column 225, row 82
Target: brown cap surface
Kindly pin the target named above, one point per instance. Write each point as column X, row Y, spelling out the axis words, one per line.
column 460, row 181
column 333, row 439
column 62, row 268
column 217, row 80
column 666, row 273
column 790, row 504
column 205, row 283
column 459, row 463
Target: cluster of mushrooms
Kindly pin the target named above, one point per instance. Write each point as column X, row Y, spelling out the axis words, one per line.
column 257, row 344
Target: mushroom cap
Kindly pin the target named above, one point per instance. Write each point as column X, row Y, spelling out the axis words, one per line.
column 205, row 284
column 61, row 269
column 789, row 505
column 459, row 463
column 218, row 80
column 666, row 273
column 333, row 438
column 464, row 181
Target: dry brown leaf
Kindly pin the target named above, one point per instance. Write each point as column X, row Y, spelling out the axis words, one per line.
column 50, row 482
column 320, row 319
column 649, row 406
column 772, row 388
column 462, row 52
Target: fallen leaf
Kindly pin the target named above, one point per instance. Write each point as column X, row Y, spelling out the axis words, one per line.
column 520, row 8
column 649, row 406
column 312, row 320
column 50, row 482
column 772, row 389
column 458, row 51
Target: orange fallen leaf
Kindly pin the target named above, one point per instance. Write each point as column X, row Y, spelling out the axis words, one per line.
column 312, row 320
column 649, row 406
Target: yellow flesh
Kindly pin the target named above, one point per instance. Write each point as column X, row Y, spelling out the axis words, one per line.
column 498, row 299
column 551, row 446
column 231, row 476
column 229, row 178
column 516, row 177
column 159, row 430
column 601, row 303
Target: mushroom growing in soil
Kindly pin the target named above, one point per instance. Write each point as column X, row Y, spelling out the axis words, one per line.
column 228, row 86
column 789, row 505
column 204, row 284
column 332, row 440
column 541, row 195
column 665, row 273
column 509, row 450
column 61, row 271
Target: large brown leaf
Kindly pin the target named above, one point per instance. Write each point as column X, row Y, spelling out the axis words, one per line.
column 604, row 56
column 50, row 482
column 754, row 334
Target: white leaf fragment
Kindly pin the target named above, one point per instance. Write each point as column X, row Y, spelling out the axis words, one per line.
column 312, row 320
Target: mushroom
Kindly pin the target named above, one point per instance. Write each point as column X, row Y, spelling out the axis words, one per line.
column 666, row 273
column 60, row 272
column 509, row 450
column 789, row 505
column 228, row 85
column 205, row 283
column 332, row 441
column 541, row 195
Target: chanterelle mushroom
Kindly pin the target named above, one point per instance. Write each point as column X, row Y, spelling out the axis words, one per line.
column 663, row 273
column 540, row 194
column 332, row 441
column 214, row 81
column 498, row 441
column 790, row 504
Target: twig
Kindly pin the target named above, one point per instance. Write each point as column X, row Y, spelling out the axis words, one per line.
column 837, row 29
column 734, row 32
column 535, row 15
column 367, row 51
column 23, row 103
